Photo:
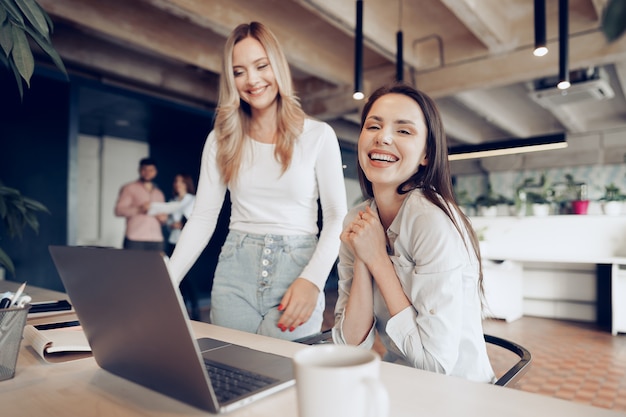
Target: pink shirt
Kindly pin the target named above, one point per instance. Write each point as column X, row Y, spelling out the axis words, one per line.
column 139, row 227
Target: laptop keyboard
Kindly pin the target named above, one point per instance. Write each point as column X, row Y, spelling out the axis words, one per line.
column 229, row 383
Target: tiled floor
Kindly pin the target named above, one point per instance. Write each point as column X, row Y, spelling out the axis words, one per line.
column 570, row 360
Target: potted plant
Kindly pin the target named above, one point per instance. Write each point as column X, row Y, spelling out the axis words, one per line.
column 464, row 201
column 576, row 195
column 538, row 195
column 19, row 18
column 17, row 212
column 539, row 202
column 487, row 204
column 613, row 199
column 19, row 21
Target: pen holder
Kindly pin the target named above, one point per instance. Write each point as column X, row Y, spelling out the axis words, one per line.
column 12, row 322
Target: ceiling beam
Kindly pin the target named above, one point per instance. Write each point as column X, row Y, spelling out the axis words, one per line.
column 310, row 44
column 85, row 53
column 518, row 66
column 332, row 105
column 137, row 25
column 568, row 118
column 484, row 20
column 459, row 131
column 599, row 6
column 492, row 109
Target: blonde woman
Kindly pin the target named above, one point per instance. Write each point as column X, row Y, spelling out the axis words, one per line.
column 276, row 163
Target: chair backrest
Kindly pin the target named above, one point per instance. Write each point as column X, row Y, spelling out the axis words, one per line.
column 510, row 377
column 519, row 369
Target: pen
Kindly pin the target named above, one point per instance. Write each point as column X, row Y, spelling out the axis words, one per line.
column 17, row 294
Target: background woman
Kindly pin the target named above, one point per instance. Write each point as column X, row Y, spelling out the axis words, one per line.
column 276, row 162
column 409, row 263
column 184, row 191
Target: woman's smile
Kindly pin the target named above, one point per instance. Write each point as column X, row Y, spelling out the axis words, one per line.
column 392, row 143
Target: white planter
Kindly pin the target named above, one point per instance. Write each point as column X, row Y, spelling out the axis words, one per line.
column 491, row 211
column 541, row 210
column 612, row 208
column 468, row 210
column 505, row 209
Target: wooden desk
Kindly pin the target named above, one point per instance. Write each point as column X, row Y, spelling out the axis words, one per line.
column 37, row 293
column 81, row 388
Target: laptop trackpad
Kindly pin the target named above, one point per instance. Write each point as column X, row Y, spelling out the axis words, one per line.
column 206, row 343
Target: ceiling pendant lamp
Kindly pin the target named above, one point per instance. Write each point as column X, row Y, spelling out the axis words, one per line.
column 358, row 53
column 399, row 48
column 541, row 47
column 564, row 82
column 508, row 147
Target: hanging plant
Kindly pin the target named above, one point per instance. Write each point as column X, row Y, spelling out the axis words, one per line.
column 19, row 21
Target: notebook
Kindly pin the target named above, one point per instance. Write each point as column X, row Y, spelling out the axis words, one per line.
column 138, row 328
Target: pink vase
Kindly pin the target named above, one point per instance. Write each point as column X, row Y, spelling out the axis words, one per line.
column 580, row 206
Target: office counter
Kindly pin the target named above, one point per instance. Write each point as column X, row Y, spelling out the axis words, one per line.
column 81, row 388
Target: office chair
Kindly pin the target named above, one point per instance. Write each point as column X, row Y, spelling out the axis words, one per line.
column 514, row 374
column 510, row 377
column 322, row 337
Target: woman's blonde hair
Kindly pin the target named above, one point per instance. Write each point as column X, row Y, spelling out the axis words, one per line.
column 233, row 114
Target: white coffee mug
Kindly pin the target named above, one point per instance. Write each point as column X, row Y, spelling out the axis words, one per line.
column 339, row 381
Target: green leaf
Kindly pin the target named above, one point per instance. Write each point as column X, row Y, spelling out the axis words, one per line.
column 14, row 12
column 3, row 208
column 14, row 225
column 35, row 15
column 22, row 55
column 8, row 191
column 30, row 219
column 4, row 61
column 614, row 19
column 3, row 14
column 48, row 21
column 6, row 38
column 46, row 46
column 18, row 211
column 18, row 78
column 34, row 205
column 6, row 262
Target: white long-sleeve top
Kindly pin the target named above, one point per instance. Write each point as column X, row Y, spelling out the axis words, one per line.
column 184, row 210
column 266, row 202
column 442, row 330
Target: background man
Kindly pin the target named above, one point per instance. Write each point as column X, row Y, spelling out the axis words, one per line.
column 143, row 230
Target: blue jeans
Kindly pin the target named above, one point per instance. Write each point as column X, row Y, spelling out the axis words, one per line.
column 251, row 278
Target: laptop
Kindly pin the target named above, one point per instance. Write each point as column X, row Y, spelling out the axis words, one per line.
column 137, row 325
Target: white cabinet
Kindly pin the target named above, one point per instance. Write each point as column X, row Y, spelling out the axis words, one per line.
column 618, row 298
column 504, row 296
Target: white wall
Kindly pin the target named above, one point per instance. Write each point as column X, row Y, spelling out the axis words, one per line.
column 104, row 165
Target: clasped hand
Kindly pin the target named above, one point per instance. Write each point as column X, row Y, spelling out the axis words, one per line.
column 365, row 236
